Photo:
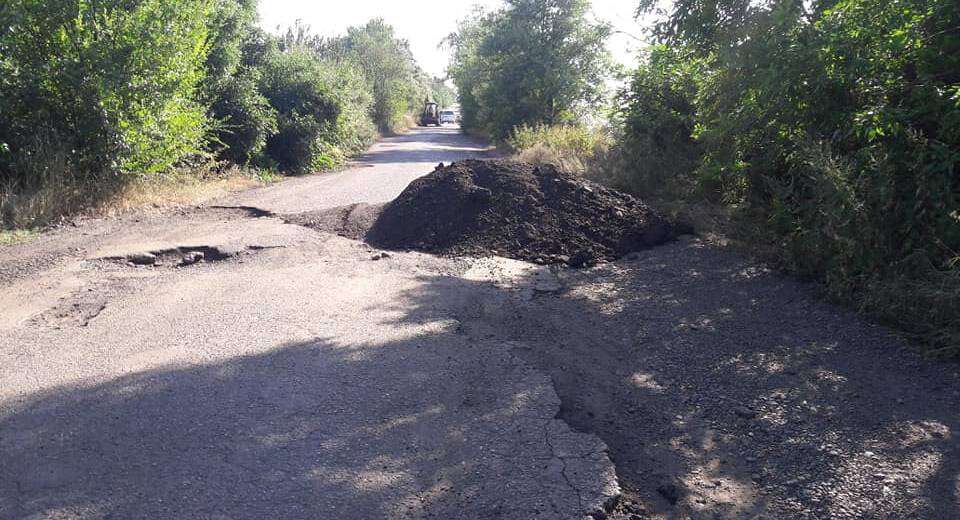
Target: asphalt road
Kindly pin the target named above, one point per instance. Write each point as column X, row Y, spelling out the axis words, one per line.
column 295, row 374
column 285, row 375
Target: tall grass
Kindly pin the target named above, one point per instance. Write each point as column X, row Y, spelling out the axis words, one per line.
column 573, row 148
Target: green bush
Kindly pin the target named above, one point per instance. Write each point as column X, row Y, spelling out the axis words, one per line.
column 116, row 82
column 659, row 115
column 320, row 108
column 246, row 119
column 833, row 129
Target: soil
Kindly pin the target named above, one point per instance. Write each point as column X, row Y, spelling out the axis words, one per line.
column 506, row 208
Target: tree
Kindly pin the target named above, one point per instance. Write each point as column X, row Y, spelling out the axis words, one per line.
column 111, row 85
column 534, row 62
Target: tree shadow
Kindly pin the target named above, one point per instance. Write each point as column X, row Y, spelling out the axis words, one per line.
column 737, row 386
column 699, row 370
column 428, row 146
column 406, row 429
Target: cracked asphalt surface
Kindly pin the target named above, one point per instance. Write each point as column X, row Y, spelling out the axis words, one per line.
column 289, row 373
column 285, row 375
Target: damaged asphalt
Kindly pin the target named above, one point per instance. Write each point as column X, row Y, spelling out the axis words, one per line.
column 222, row 362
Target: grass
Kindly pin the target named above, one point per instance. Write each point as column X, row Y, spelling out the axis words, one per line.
column 16, row 236
column 181, row 189
column 25, row 210
column 569, row 147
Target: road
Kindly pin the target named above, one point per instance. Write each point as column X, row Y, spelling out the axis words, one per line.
column 292, row 378
column 296, row 374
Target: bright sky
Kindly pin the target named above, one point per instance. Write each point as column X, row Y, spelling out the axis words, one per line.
column 424, row 23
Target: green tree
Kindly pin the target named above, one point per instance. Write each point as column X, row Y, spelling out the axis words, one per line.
column 390, row 69
column 534, row 62
column 112, row 85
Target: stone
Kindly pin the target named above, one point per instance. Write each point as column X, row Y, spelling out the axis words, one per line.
column 192, row 258
column 142, row 259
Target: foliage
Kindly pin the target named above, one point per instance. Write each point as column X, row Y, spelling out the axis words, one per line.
column 112, row 83
column 659, row 119
column 536, row 61
column 246, row 118
column 95, row 96
column 230, row 24
column 442, row 93
column 320, row 110
column 398, row 85
column 833, row 126
column 389, row 69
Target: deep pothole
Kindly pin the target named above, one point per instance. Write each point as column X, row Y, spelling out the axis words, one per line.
column 180, row 257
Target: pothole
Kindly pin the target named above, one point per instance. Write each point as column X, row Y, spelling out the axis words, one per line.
column 180, row 257
column 245, row 211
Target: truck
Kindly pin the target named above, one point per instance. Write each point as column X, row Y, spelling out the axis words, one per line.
column 430, row 114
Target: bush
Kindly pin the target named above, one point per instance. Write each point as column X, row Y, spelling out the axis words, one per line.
column 112, row 85
column 116, row 82
column 834, row 132
column 659, row 114
column 246, row 119
column 321, row 109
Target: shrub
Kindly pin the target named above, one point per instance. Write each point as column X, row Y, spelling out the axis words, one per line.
column 659, row 115
column 320, row 107
column 112, row 85
column 246, row 119
column 834, row 130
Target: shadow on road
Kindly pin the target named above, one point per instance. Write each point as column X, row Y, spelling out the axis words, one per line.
column 424, row 145
column 736, row 386
column 698, row 370
column 311, row 430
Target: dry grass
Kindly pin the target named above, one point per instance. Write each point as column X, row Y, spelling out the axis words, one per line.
column 57, row 197
column 568, row 147
column 9, row 237
column 540, row 153
column 181, row 189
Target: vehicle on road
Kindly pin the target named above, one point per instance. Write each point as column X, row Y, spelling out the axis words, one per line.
column 448, row 116
column 430, row 114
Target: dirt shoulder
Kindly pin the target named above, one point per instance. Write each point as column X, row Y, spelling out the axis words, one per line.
column 724, row 390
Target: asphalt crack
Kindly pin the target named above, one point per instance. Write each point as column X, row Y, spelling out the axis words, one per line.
column 563, row 463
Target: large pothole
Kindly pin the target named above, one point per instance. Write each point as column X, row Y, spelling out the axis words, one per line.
column 180, row 257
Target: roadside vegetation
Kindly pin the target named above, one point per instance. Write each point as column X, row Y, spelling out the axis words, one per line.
column 106, row 99
column 824, row 135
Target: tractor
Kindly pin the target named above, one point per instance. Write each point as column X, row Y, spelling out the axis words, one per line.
column 430, row 115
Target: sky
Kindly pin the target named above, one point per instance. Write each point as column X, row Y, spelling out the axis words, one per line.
column 424, row 23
